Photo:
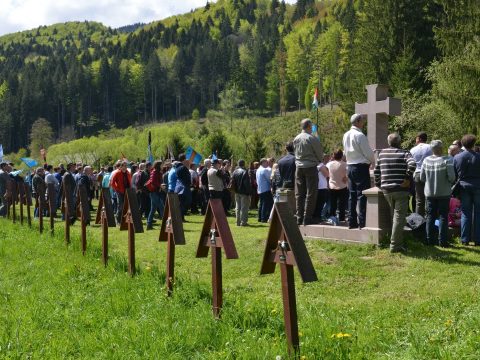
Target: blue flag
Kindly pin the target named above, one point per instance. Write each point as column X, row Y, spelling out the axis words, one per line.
column 149, row 154
column 1, row 152
column 29, row 162
column 214, row 156
column 193, row 156
column 315, row 131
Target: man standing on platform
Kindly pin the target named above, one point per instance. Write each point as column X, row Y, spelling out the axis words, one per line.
column 308, row 154
column 359, row 156
column 392, row 174
column 419, row 152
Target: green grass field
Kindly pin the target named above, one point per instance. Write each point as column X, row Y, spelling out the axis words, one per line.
column 367, row 304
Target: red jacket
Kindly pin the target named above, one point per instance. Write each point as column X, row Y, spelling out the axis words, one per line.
column 156, row 179
column 117, row 181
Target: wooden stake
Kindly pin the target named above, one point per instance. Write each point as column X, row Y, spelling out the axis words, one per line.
column 131, row 244
column 104, row 237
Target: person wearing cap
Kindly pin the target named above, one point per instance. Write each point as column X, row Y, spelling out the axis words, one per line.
column 308, row 154
column 419, row 152
column 4, row 178
column 437, row 175
column 392, row 174
column 359, row 157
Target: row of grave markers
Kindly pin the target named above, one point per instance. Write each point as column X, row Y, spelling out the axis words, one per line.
column 284, row 245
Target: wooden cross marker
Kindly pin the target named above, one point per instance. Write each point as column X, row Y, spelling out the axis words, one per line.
column 216, row 234
column 67, row 206
column 377, row 108
column 83, row 212
column 22, row 199
column 171, row 232
column 12, row 189
column 28, row 201
column 51, row 205
column 285, row 246
column 131, row 221
column 106, row 218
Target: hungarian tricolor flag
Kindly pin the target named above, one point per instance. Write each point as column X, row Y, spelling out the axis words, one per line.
column 315, row 99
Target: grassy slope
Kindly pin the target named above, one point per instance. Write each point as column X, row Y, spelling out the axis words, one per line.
column 58, row 304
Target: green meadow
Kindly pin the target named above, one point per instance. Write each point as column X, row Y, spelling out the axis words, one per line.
column 56, row 303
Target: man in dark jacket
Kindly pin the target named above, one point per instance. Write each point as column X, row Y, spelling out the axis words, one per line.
column 38, row 190
column 243, row 191
column 184, row 182
column 286, row 167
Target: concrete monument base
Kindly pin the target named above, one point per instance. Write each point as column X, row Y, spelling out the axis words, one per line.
column 343, row 234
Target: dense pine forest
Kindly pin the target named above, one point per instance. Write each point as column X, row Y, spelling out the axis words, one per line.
column 245, row 57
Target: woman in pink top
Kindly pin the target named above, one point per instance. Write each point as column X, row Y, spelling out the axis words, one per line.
column 338, row 185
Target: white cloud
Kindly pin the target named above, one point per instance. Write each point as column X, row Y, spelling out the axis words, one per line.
column 18, row 15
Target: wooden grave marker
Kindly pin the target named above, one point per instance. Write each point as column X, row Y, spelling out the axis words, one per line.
column 22, row 199
column 106, row 218
column 216, row 234
column 285, row 246
column 12, row 198
column 40, row 204
column 28, row 202
column 172, row 232
column 51, row 205
column 83, row 212
column 67, row 208
column 131, row 221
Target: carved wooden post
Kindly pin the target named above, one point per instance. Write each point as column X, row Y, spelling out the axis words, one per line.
column 28, row 198
column 131, row 221
column 12, row 184
column 171, row 232
column 51, row 205
column 285, row 246
column 21, row 196
column 216, row 235
column 106, row 218
column 39, row 206
column 84, row 208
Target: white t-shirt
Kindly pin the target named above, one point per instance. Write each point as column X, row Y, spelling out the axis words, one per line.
column 322, row 180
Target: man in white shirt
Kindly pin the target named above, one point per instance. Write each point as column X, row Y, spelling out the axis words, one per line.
column 359, row 156
column 419, row 152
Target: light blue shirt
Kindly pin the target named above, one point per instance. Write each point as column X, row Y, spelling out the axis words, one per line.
column 172, row 179
column 419, row 153
column 263, row 179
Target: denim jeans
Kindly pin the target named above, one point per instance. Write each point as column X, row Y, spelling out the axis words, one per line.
column 156, row 203
column 437, row 208
column 120, row 201
column 265, row 206
column 358, row 180
column 470, row 199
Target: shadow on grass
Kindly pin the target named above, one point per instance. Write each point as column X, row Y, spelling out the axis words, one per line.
column 451, row 255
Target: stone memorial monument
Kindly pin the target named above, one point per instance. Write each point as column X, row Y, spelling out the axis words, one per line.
column 378, row 223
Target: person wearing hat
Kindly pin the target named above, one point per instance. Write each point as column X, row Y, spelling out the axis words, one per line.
column 308, row 154
column 359, row 157
column 215, row 180
column 438, row 175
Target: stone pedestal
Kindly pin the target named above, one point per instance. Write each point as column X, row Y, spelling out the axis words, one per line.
column 378, row 211
column 378, row 224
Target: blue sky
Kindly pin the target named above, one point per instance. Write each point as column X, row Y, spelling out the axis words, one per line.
column 18, row 15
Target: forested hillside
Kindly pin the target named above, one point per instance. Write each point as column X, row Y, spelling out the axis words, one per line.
column 237, row 55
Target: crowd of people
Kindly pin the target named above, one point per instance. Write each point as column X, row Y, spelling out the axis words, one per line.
column 437, row 183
